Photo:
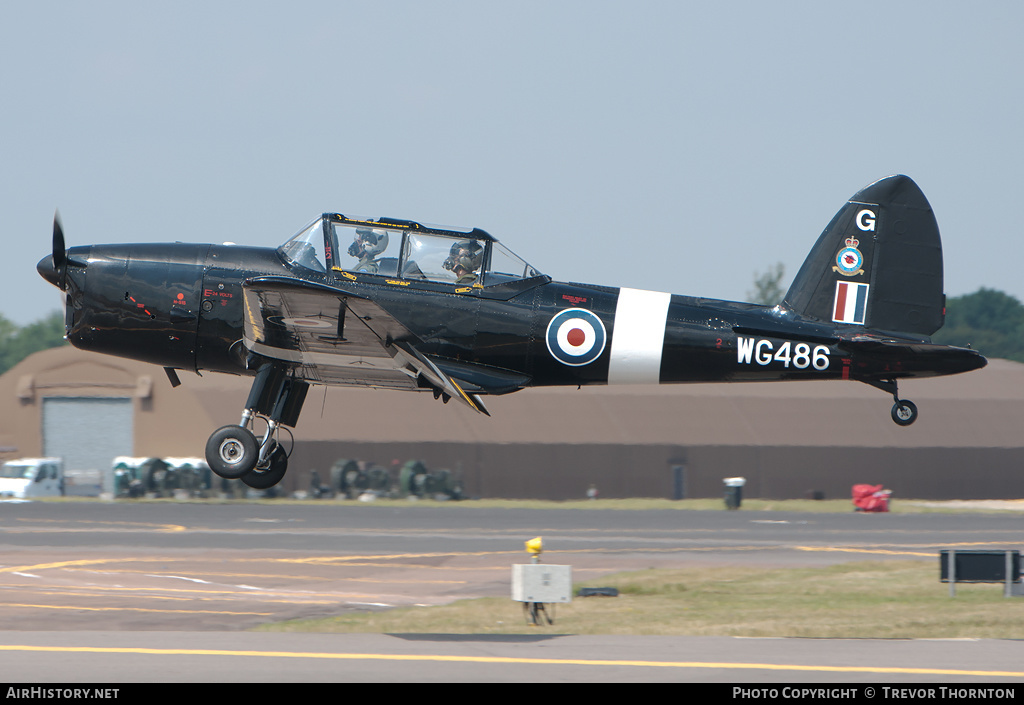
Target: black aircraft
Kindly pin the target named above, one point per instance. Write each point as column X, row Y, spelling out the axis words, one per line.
column 380, row 302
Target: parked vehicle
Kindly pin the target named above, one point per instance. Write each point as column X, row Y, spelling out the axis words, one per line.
column 26, row 478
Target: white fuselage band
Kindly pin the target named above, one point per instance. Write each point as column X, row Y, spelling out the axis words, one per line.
column 638, row 337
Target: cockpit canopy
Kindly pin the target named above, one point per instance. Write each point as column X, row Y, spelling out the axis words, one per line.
column 405, row 250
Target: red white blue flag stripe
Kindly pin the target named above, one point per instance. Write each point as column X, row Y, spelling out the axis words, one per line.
column 851, row 303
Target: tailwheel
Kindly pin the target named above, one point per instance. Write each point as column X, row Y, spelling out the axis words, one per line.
column 904, row 412
column 264, row 478
column 232, row 451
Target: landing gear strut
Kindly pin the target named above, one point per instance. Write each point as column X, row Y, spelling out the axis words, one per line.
column 234, row 452
column 904, row 411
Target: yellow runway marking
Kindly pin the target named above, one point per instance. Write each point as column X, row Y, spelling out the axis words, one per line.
column 335, row 560
column 130, row 609
column 511, row 660
column 447, row 568
column 114, row 526
column 185, row 573
column 292, row 578
column 213, row 597
column 881, row 551
column 260, row 593
column 391, row 560
column 63, row 592
column 87, row 561
column 351, row 560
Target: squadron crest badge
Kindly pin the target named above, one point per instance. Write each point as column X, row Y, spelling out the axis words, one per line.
column 849, row 261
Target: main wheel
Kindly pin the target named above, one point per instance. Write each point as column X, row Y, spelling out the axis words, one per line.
column 232, row 451
column 904, row 412
column 265, row 479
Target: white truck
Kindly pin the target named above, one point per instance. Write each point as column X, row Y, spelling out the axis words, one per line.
column 26, row 478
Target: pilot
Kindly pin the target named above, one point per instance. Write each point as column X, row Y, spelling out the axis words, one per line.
column 366, row 245
column 464, row 259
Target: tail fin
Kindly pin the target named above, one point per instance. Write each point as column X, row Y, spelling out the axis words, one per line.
column 877, row 264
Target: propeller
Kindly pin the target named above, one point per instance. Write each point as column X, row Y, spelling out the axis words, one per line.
column 54, row 268
column 59, row 252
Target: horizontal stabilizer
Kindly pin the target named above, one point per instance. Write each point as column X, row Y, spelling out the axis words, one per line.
column 904, row 358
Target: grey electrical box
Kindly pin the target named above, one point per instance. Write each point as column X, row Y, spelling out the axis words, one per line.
column 539, row 582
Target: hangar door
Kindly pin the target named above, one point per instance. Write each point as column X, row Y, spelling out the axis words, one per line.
column 88, row 433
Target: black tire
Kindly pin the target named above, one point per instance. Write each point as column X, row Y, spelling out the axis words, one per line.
column 904, row 412
column 232, row 451
column 265, row 479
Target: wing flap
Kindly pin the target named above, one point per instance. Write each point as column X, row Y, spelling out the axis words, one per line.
column 441, row 382
column 331, row 336
column 314, row 328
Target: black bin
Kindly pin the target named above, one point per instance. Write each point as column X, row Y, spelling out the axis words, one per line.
column 734, row 492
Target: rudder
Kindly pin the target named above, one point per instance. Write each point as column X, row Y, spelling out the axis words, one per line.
column 877, row 264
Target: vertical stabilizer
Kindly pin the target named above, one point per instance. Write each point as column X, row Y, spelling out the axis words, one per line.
column 878, row 263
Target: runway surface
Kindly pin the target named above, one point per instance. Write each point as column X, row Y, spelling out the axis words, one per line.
column 113, row 587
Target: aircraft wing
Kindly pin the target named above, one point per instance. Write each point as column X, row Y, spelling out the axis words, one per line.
column 333, row 337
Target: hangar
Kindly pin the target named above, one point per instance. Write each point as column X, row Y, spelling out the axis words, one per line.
column 787, row 439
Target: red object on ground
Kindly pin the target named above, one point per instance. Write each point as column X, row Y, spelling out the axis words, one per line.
column 871, row 498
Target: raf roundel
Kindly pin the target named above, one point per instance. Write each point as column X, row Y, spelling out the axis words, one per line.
column 576, row 337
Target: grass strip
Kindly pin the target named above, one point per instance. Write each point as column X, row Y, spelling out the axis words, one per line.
column 870, row 599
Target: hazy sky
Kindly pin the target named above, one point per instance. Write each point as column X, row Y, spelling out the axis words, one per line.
column 669, row 145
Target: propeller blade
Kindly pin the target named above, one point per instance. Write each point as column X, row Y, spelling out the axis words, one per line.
column 59, row 251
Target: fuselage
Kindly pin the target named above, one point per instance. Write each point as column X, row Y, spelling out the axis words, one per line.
column 397, row 304
column 181, row 306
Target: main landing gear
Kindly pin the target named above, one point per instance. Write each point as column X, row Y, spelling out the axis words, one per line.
column 904, row 411
column 234, row 452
